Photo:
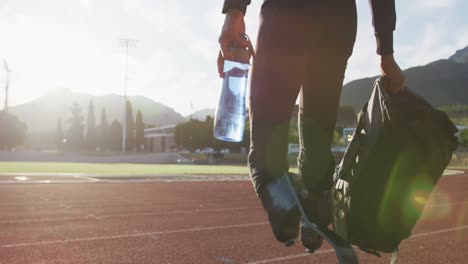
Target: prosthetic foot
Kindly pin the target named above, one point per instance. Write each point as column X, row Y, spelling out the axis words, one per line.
column 317, row 209
column 280, row 204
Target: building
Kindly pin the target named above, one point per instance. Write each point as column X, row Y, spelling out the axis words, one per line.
column 160, row 139
column 294, row 149
column 348, row 134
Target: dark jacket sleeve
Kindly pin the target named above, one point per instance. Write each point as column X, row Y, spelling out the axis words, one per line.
column 235, row 4
column 384, row 20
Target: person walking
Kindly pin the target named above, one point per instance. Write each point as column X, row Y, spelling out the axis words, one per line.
column 302, row 49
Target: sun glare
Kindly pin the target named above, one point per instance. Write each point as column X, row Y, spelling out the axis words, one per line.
column 419, row 199
column 439, row 206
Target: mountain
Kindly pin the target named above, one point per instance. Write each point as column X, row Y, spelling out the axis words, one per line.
column 202, row 114
column 461, row 56
column 41, row 114
column 442, row 82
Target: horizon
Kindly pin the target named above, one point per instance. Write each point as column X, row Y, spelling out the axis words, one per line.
column 52, row 92
column 195, row 110
column 75, row 45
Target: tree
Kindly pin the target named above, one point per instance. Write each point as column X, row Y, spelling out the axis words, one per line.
column 91, row 128
column 293, row 137
column 195, row 134
column 130, row 136
column 179, row 135
column 464, row 138
column 139, row 131
column 191, row 134
column 455, row 111
column 103, row 132
column 59, row 135
column 12, row 131
column 115, row 136
column 74, row 139
column 338, row 139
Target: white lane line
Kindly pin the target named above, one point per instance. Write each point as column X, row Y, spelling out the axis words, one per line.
column 439, row 193
column 130, row 178
column 161, row 213
column 100, row 217
column 47, row 181
column 445, row 204
column 130, row 202
column 21, row 178
column 155, row 180
column 150, row 234
column 86, row 178
column 439, row 231
column 32, row 174
column 291, row 257
column 332, row 251
column 43, row 220
column 452, row 172
column 184, row 212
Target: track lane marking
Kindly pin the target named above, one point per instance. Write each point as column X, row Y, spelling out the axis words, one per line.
column 445, row 204
column 156, row 233
column 332, row 251
column 128, row 202
column 8, row 182
column 162, row 213
column 100, row 217
column 453, row 172
column 147, row 201
column 149, row 234
column 21, row 178
column 86, row 178
column 440, row 231
column 318, row 252
column 104, row 178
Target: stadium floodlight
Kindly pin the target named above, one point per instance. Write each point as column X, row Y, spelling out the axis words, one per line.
column 126, row 43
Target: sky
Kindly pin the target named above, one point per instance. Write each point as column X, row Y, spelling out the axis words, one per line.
column 75, row 44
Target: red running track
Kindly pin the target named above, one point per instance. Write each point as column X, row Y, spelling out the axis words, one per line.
column 189, row 222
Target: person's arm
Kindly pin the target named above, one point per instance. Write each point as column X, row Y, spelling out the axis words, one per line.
column 240, row 5
column 384, row 21
column 233, row 29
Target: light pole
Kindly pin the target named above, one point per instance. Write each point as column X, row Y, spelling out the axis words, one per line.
column 191, row 110
column 125, row 43
column 7, row 83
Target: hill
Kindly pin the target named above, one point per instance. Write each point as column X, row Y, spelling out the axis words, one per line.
column 461, row 56
column 202, row 114
column 41, row 114
column 442, row 82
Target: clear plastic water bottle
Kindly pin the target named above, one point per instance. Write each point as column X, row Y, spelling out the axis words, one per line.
column 229, row 122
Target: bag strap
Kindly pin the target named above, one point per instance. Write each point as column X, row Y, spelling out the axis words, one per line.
column 361, row 117
column 394, row 256
column 349, row 159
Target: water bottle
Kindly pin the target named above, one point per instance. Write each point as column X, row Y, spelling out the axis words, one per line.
column 229, row 121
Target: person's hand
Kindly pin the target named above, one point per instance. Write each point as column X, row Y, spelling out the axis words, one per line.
column 392, row 71
column 231, row 35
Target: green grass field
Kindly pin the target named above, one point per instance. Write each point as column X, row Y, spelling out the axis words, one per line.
column 117, row 169
column 127, row 169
